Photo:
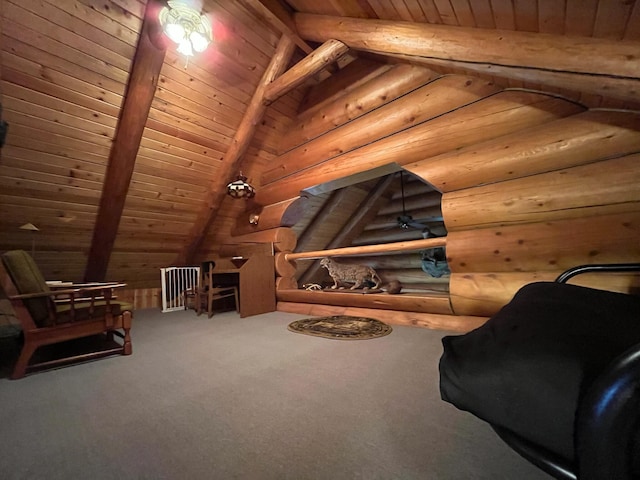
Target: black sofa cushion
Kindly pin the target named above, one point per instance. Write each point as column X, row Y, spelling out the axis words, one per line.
column 528, row 366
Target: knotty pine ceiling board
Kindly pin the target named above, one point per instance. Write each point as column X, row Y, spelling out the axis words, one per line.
column 216, row 88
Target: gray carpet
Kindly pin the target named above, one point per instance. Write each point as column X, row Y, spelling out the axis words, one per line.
column 231, row 398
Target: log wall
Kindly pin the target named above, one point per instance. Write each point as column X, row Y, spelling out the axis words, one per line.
column 531, row 184
column 463, row 125
column 520, row 210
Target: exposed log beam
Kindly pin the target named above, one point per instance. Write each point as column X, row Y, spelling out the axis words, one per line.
column 625, row 89
column 365, row 213
column 145, row 71
column 568, row 142
column 349, row 78
column 335, row 202
column 416, row 107
column 435, row 303
column 609, row 235
column 359, row 101
column 279, row 18
column 595, row 56
column 536, row 198
column 580, row 62
column 282, row 214
column 239, row 144
column 499, row 114
column 324, row 55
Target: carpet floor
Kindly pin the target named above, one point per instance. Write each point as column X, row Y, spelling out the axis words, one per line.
column 232, row 398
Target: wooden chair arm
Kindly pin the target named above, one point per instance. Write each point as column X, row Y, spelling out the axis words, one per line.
column 70, row 285
column 67, row 291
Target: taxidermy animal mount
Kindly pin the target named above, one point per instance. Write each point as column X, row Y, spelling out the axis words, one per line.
column 342, row 273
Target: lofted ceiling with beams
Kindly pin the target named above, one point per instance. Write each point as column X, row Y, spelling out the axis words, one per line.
column 610, row 21
column 67, row 69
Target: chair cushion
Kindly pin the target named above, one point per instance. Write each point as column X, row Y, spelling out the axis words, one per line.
column 82, row 310
column 27, row 279
column 528, row 366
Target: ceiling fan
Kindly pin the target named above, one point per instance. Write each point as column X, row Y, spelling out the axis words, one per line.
column 405, row 220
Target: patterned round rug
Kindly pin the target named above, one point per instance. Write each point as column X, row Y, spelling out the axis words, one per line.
column 341, row 327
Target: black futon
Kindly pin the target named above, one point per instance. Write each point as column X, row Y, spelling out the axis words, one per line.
column 556, row 372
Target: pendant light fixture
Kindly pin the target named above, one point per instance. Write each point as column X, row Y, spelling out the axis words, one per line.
column 185, row 26
column 239, row 188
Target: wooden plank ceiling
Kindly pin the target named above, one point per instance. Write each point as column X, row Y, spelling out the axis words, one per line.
column 64, row 71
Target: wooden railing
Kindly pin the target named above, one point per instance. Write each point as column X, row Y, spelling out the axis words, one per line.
column 432, row 310
column 407, row 246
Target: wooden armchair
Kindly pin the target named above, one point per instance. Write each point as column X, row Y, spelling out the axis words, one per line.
column 53, row 316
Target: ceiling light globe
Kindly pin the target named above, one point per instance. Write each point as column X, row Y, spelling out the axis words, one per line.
column 175, row 32
column 198, row 41
column 185, row 47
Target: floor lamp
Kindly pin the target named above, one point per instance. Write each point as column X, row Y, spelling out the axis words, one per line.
column 33, row 229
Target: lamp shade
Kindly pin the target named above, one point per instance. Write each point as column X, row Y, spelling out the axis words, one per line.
column 186, row 27
column 239, row 188
column 29, row 226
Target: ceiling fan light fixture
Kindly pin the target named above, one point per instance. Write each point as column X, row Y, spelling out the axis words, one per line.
column 186, row 27
column 406, row 221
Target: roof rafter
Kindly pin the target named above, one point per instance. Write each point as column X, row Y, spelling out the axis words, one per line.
column 328, row 52
column 143, row 79
column 279, row 18
column 239, row 144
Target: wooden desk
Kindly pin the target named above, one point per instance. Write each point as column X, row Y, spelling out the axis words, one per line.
column 255, row 278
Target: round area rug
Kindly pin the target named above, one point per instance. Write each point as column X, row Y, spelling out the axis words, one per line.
column 341, row 327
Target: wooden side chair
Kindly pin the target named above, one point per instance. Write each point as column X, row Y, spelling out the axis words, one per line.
column 208, row 293
column 190, row 298
column 50, row 317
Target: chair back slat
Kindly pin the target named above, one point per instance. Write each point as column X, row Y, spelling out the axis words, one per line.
column 206, row 272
